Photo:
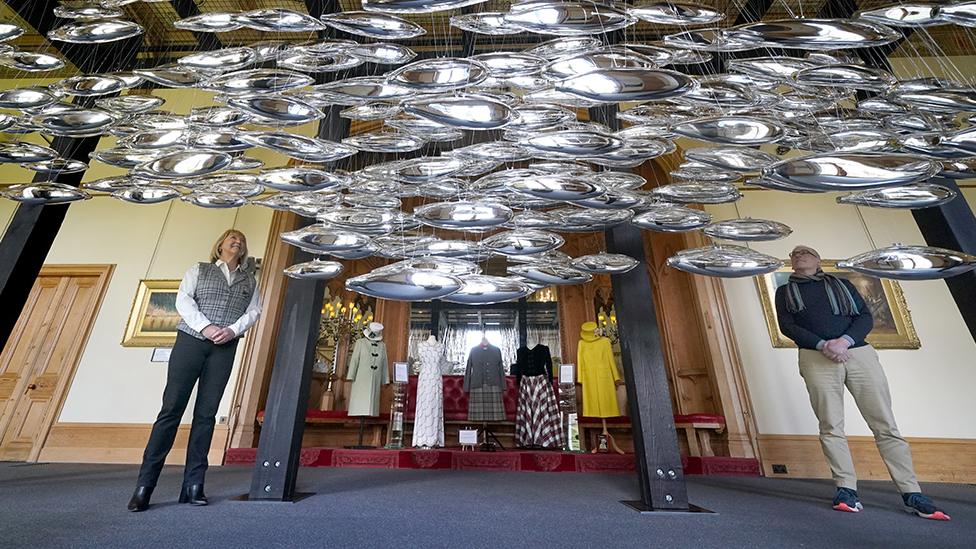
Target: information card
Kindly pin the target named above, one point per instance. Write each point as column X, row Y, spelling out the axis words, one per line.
column 468, row 437
column 400, row 372
column 567, row 373
column 161, row 354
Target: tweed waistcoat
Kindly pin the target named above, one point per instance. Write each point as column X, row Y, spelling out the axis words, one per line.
column 220, row 302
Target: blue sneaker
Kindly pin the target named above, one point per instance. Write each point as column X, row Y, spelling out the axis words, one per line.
column 846, row 500
column 918, row 504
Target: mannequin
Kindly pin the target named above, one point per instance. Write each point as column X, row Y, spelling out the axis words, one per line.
column 599, row 377
column 368, row 370
column 537, row 423
column 484, row 381
column 428, row 425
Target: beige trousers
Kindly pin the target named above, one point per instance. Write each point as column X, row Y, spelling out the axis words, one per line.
column 865, row 379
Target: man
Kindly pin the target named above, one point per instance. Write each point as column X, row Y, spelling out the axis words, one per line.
column 217, row 301
column 828, row 320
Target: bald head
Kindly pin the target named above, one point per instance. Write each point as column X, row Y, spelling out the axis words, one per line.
column 805, row 260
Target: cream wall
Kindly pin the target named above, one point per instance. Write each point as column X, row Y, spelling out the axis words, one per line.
column 931, row 387
column 115, row 384
column 180, row 235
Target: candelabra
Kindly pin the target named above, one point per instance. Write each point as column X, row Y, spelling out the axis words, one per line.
column 341, row 325
column 607, row 325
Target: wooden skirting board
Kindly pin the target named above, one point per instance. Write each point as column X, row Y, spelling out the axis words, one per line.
column 118, row 443
column 936, row 459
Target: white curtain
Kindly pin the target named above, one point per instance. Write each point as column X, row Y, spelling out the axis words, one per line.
column 548, row 336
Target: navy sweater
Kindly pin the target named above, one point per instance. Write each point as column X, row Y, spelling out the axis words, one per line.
column 817, row 322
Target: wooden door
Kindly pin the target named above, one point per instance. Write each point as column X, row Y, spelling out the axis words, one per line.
column 39, row 361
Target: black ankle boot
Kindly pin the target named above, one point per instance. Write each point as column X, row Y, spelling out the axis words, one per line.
column 193, row 494
column 140, row 499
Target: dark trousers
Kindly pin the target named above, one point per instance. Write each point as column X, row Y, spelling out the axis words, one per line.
column 192, row 359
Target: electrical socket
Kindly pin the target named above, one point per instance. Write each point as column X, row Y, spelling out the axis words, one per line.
column 779, row 469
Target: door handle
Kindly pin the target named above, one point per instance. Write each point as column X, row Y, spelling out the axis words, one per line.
column 30, row 388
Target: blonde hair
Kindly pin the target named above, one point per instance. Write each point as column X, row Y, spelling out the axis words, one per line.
column 215, row 251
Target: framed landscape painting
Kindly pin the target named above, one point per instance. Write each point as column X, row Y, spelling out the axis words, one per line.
column 153, row 319
column 893, row 328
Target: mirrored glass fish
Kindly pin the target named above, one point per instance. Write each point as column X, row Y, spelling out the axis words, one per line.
column 748, row 229
column 44, row 193
column 910, row 263
column 724, row 261
column 921, row 195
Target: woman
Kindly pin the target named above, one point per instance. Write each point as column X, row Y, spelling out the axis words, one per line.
column 217, row 302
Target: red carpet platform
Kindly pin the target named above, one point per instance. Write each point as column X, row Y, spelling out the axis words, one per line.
column 517, row 460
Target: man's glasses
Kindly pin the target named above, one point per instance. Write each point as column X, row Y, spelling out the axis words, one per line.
column 798, row 253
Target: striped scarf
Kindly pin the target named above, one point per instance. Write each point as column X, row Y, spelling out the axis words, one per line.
column 841, row 300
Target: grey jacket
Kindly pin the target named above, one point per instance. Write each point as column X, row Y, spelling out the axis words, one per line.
column 485, row 369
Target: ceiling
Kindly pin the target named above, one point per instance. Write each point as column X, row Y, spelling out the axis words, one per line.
column 162, row 42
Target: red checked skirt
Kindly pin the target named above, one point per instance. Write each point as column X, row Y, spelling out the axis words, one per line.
column 537, row 421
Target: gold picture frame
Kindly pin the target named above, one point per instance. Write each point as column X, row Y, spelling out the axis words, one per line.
column 893, row 327
column 153, row 319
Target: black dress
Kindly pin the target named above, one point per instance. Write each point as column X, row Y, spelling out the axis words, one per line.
column 537, row 423
column 536, row 361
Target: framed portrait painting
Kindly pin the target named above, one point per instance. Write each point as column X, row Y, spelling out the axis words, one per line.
column 893, row 328
column 153, row 319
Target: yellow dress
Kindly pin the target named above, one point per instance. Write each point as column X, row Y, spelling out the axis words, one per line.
column 598, row 374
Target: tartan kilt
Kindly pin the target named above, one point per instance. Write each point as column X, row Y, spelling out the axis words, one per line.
column 486, row 404
column 537, row 422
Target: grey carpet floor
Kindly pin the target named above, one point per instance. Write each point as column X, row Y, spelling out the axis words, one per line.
column 63, row 505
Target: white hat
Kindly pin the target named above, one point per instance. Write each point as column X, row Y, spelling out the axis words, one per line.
column 374, row 331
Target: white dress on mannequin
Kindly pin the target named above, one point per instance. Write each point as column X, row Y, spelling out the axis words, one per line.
column 428, row 423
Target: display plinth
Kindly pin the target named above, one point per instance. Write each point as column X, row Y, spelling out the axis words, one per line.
column 545, row 461
column 568, row 415
column 395, row 441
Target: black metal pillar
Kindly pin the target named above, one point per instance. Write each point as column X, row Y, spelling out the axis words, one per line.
column 279, row 448
column 32, row 230
column 280, row 444
column 276, row 465
column 953, row 226
column 659, row 473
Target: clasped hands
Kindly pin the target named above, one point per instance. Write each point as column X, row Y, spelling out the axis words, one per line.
column 222, row 335
column 837, row 349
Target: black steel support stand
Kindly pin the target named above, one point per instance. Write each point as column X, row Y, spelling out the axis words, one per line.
column 279, row 448
column 491, row 442
column 659, row 473
column 280, row 445
column 953, row 226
